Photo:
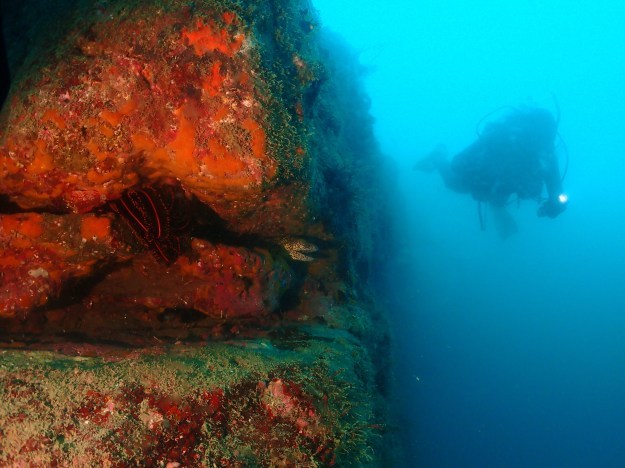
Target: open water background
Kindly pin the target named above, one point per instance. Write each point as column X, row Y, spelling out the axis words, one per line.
column 511, row 353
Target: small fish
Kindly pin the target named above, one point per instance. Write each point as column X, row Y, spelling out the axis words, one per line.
column 299, row 248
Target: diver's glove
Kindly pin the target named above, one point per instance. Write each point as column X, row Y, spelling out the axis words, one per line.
column 552, row 208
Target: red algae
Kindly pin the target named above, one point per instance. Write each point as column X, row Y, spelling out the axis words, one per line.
column 208, row 38
column 52, row 115
column 95, row 228
column 183, row 146
column 258, row 137
column 213, row 82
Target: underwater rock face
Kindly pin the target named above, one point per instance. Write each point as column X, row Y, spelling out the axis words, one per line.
column 40, row 252
column 139, row 96
column 182, row 237
column 250, row 404
column 146, row 94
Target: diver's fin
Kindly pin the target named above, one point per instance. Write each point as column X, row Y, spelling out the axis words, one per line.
column 504, row 223
column 432, row 160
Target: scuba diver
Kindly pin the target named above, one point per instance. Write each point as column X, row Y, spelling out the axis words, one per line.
column 511, row 156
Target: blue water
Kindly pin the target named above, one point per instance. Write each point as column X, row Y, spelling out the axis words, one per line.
column 512, row 353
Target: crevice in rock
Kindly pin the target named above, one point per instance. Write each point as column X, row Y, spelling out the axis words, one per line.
column 7, row 206
column 180, row 314
column 76, row 290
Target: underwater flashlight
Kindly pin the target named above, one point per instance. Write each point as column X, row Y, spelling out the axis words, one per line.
column 563, row 198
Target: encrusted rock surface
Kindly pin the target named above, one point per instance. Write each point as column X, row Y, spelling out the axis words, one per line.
column 289, row 401
column 191, row 219
column 155, row 93
column 149, row 92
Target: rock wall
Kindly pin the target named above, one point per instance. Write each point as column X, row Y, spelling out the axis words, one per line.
column 191, row 220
